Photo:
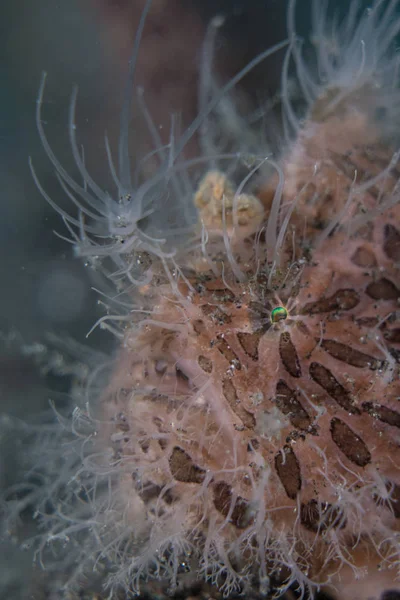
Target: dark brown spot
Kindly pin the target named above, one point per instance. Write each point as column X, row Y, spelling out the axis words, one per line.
column 205, row 363
column 390, row 595
column 320, row 516
column 151, row 491
column 288, row 469
column 223, row 295
column 249, row 343
column 287, row 402
column 395, row 353
column 351, row 169
column 350, row 355
column 254, row 444
column 144, row 443
column 324, row 596
column 121, row 423
column 384, row 414
column 364, row 257
column 183, row 468
column 229, row 392
column 391, row 244
column 159, row 423
column 383, row 289
column 366, row 232
column 181, row 375
column 216, row 314
column 223, row 501
column 345, row 299
column 330, row 384
column 227, row 352
column 393, row 503
column 169, row 337
column 199, row 326
column 367, row 321
column 233, row 400
column 258, row 309
column 302, row 327
column 392, row 335
column 350, row 443
column 289, row 355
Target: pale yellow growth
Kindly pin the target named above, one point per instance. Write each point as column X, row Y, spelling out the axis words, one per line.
column 216, row 195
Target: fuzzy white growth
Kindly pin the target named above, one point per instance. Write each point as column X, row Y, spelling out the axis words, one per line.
column 114, row 228
column 350, row 54
column 353, row 54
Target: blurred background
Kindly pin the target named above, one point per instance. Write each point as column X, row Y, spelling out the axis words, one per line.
column 44, row 289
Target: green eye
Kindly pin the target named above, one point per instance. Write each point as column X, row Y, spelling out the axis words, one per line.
column 278, row 314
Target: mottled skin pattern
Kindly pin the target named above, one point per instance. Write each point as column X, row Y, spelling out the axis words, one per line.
column 274, row 443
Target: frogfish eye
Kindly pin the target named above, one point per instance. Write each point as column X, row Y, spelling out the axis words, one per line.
column 279, row 313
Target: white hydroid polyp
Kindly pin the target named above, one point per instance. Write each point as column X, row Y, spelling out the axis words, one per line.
column 247, row 433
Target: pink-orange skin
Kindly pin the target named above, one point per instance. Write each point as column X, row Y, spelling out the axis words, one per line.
column 174, row 376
